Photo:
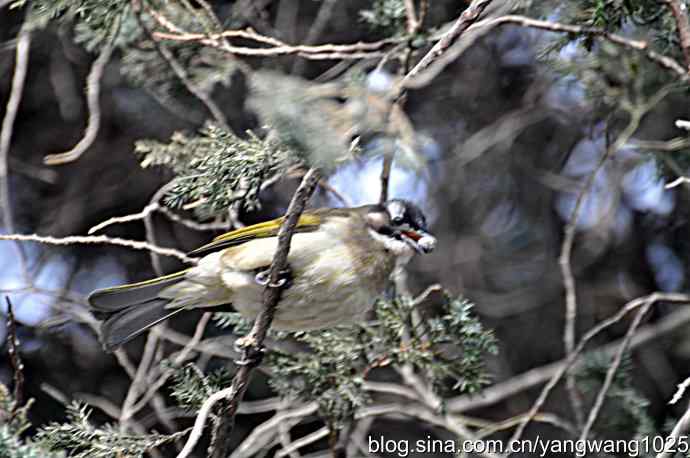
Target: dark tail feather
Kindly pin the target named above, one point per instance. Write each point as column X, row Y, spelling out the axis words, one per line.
column 122, row 326
column 129, row 310
column 125, row 296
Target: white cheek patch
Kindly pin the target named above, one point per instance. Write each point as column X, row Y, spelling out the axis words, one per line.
column 397, row 247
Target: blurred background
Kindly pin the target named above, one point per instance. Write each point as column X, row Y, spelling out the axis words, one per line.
column 508, row 142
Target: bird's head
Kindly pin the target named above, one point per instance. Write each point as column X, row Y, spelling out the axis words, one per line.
column 401, row 226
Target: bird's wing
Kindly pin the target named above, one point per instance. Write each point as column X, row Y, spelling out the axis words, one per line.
column 308, row 222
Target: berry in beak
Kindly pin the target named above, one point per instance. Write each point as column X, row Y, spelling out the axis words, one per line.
column 421, row 241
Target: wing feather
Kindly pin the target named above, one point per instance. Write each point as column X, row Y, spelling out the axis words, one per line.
column 308, row 222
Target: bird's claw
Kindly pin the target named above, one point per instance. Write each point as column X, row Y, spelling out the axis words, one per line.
column 263, row 278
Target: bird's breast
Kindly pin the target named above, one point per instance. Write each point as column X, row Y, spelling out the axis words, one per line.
column 333, row 282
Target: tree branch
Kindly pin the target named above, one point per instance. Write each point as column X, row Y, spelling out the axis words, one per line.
column 560, row 370
column 93, row 92
column 180, row 71
column 466, row 19
column 16, row 92
column 98, row 239
column 681, row 427
column 435, row 66
column 254, row 340
column 611, row 372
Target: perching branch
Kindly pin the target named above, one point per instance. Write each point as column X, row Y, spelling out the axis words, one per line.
column 254, row 340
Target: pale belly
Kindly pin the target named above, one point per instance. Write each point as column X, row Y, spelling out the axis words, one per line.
column 324, row 290
column 320, row 295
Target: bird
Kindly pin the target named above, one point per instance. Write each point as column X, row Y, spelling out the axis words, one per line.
column 340, row 261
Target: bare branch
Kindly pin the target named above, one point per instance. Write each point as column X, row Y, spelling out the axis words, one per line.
column 422, row 78
column 565, row 262
column 179, row 359
column 98, row 239
column 677, row 182
column 681, row 427
column 279, row 48
column 180, row 71
column 466, row 19
column 16, row 92
column 317, row 27
column 385, row 176
column 682, row 387
column 611, row 372
column 93, row 92
column 560, row 369
column 262, row 434
column 303, row 442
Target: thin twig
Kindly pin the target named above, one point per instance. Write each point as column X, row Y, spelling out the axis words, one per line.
column 680, row 15
column 680, row 391
column 385, row 176
column 262, row 435
column 613, row 368
column 180, row 71
column 194, row 225
column 558, row 371
column 422, row 78
column 464, row 21
column 354, row 50
column 124, row 219
column 98, row 239
column 317, row 27
column 15, row 359
column 677, row 182
column 176, row 363
column 672, row 440
column 534, row 377
column 564, row 259
column 303, row 442
column 16, row 92
column 93, row 92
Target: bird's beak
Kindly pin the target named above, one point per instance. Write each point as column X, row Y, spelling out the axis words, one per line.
column 421, row 241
